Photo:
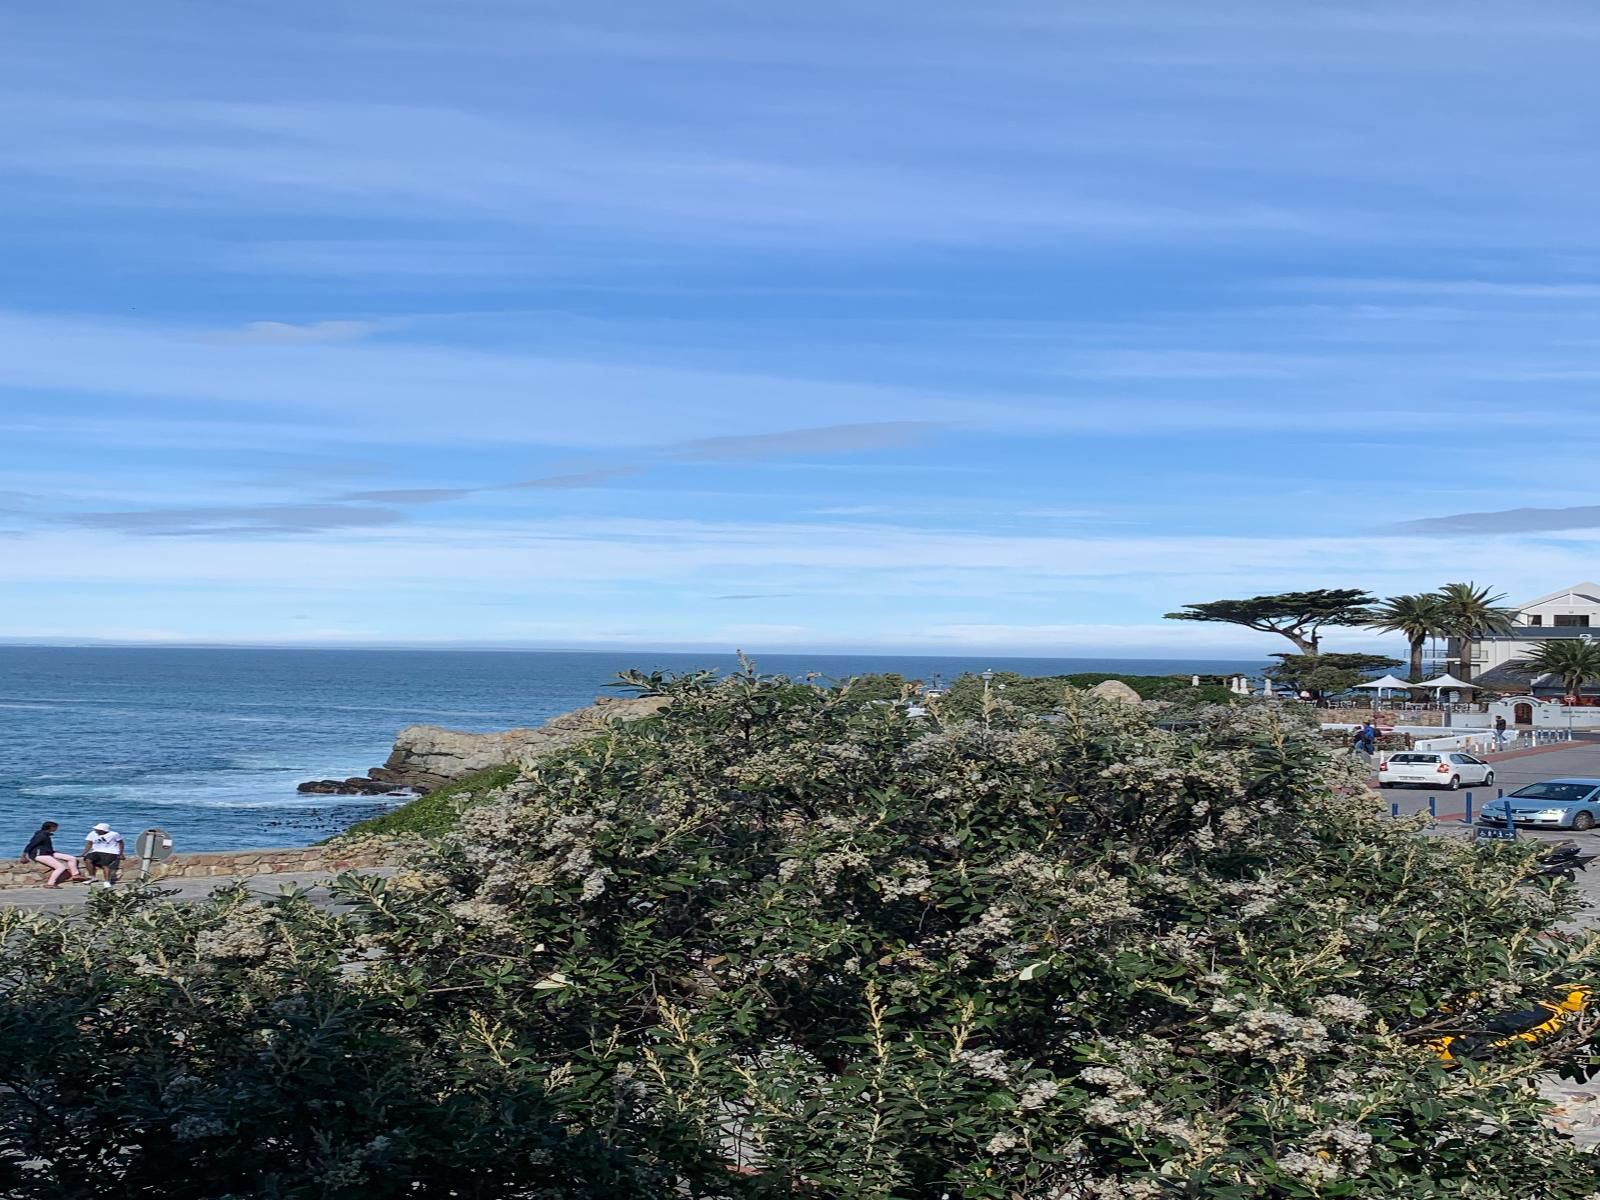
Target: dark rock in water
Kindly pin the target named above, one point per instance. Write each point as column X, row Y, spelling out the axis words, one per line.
column 358, row 785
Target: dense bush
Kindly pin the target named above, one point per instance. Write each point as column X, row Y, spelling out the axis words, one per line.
column 438, row 811
column 776, row 943
column 1041, row 694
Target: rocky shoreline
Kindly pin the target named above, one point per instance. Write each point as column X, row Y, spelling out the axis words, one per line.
column 427, row 757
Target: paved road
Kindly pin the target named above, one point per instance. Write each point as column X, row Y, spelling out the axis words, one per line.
column 1577, row 1106
column 1511, row 771
column 72, row 895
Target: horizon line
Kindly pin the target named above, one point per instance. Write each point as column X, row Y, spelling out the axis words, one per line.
column 91, row 643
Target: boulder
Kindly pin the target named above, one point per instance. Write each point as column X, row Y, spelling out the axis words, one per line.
column 1115, row 689
column 357, row 785
column 426, row 757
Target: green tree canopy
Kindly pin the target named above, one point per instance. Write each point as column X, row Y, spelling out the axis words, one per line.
column 775, row 943
column 1324, row 673
column 1416, row 617
column 1298, row 616
column 1470, row 612
column 1575, row 661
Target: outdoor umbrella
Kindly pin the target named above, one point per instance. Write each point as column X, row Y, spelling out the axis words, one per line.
column 1386, row 684
column 1448, row 682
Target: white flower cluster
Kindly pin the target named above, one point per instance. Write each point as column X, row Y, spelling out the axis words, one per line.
column 1341, row 1010
column 1308, row 1168
column 986, row 1064
column 1350, row 1145
column 1038, row 1094
column 913, row 882
column 996, row 925
column 245, row 933
column 827, row 867
column 1268, row 1033
column 1126, row 1102
column 1259, row 896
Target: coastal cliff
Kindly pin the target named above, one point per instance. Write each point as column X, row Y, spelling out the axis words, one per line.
column 427, row 757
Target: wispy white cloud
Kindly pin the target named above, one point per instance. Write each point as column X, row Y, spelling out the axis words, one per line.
column 285, row 333
column 236, row 520
column 1512, row 520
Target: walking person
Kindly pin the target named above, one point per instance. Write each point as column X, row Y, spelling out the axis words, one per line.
column 1499, row 733
column 1366, row 740
column 42, row 851
column 103, row 850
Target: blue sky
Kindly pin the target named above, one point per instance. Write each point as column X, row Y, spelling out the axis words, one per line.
column 948, row 327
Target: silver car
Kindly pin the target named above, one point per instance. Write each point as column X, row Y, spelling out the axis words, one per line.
column 1553, row 804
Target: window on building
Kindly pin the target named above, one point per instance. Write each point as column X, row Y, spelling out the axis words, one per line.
column 1535, row 620
column 1570, row 621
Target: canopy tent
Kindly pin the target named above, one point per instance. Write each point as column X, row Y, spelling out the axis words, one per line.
column 1387, row 683
column 1448, row 681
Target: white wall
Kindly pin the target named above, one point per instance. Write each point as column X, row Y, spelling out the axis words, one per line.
column 1546, row 715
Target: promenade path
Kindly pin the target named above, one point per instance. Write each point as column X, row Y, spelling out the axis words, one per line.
column 73, row 895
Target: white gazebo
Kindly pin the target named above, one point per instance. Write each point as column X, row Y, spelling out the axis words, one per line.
column 1387, row 684
column 1447, row 683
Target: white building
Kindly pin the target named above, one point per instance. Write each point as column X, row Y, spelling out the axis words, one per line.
column 1571, row 612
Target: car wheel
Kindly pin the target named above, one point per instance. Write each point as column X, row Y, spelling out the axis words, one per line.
column 1582, row 821
column 1384, row 783
column 1455, row 783
column 1488, row 779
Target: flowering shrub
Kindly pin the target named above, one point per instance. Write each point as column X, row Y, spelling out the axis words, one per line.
column 779, row 942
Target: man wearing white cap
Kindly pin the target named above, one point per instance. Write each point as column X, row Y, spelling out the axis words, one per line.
column 103, row 848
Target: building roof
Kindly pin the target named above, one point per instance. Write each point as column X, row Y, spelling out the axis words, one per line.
column 1586, row 592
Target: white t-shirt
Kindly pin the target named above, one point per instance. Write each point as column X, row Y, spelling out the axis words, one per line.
column 104, row 843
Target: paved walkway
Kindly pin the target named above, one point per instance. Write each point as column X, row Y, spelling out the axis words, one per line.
column 72, row 895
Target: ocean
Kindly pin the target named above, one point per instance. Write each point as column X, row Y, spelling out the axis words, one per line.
column 209, row 744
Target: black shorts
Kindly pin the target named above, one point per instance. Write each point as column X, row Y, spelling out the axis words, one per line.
column 99, row 858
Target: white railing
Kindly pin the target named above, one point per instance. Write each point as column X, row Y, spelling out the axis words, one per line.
column 1484, row 743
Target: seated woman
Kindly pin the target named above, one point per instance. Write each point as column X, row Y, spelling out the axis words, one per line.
column 42, row 850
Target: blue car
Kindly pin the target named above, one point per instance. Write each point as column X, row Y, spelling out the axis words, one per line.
column 1553, row 804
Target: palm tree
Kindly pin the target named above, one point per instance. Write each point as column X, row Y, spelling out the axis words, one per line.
column 1469, row 613
column 1417, row 617
column 1575, row 660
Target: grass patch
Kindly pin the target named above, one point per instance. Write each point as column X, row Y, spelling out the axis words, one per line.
column 436, row 812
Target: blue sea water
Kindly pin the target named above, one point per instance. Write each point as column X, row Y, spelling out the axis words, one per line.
column 209, row 744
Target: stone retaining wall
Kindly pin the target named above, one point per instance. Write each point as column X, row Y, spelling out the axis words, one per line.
column 1355, row 716
column 233, row 863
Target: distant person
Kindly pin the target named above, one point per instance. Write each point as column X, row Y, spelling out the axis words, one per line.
column 1499, row 733
column 41, row 850
column 1366, row 739
column 103, row 850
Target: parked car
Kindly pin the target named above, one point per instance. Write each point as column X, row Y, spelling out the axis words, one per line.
column 1553, row 804
column 1433, row 768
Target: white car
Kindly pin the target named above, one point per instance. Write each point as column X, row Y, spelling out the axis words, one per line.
column 1427, row 768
